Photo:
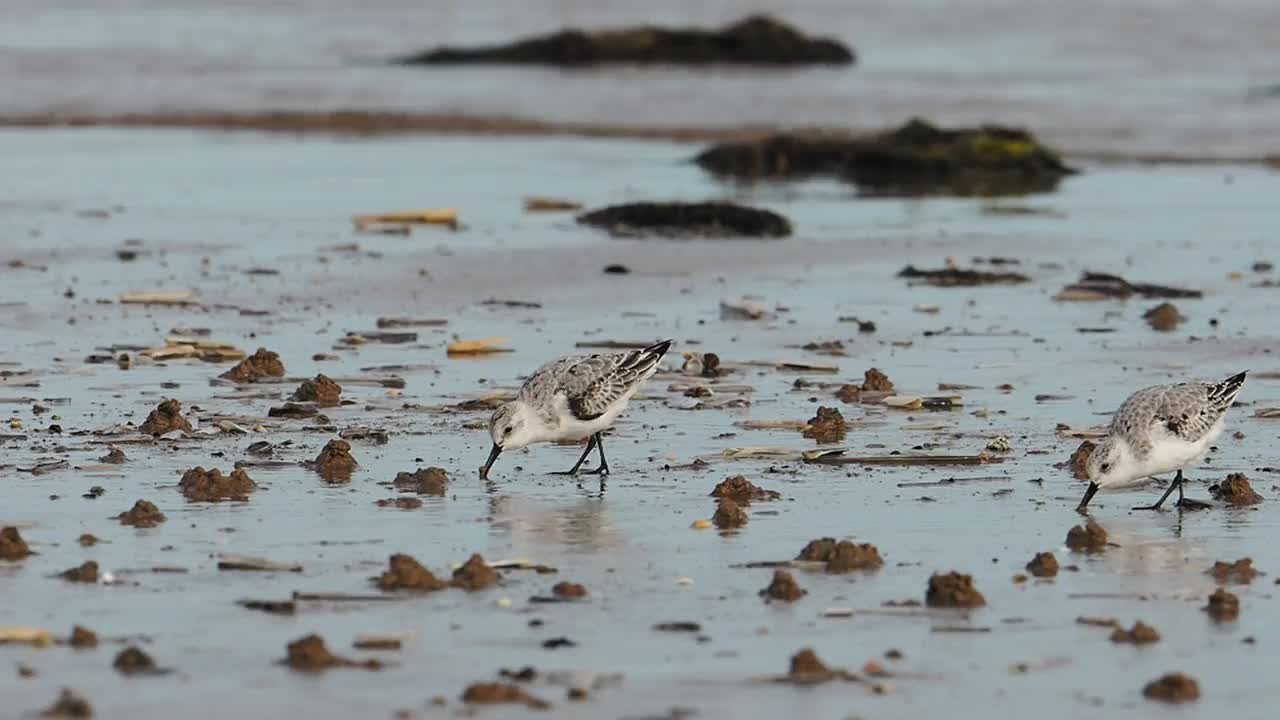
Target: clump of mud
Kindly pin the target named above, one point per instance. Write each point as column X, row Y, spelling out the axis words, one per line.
column 143, row 514
column 87, row 540
column 873, row 380
column 827, row 426
column 1235, row 490
column 309, row 654
column 1140, row 634
column 729, row 515
column 676, row 219
column 475, row 574
column 335, row 462
column 807, row 669
column 1079, row 460
column 494, row 693
column 68, row 705
column 566, row 590
column 85, row 573
column 783, row 587
column 166, row 418
column 200, row 485
column 114, row 456
column 953, row 590
column 915, row 159
column 132, row 661
column 1163, row 317
column 1240, row 572
column 82, row 637
column 1087, row 538
column 742, row 491
column 753, row 40
column 12, row 546
column 849, row 394
column 261, row 364
column 322, row 391
column 1172, row 688
column 843, row 556
column 1043, row 565
column 1223, row 606
column 431, row 481
column 402, row 503
column 406, row 573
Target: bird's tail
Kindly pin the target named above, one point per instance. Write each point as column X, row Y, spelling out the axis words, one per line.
column 1223, row 394
column 657, row 350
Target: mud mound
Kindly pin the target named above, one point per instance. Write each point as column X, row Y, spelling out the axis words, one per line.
column 85, row 573
column 83, row 637
column 1140, row 634
column 166, row 418
column 568, row 590
column 493, row 693
column 953, row 590
column 783, row 587
column 742, row 491
column 321, row 390
column 687, row 220
column 309, row 654
column 729, row 515
column 873, row 380
column 1235, row 490
column 200, row 485
column 915, row 159
column 431, row 481
column 827, row 426
column 12, row 546
column 843, row 556
column 755, row 40
column 261, row 364
column 406, row 573
column 1043, row 565
column 1163, row 317
column 335, row 462
column 132, row 661
column 1172, row 688
column 474, row 575
column 1240, row 572
column 1087, row 538
column 1223, row 606
column 143, row 514
column 114, row 456
column 68, row 706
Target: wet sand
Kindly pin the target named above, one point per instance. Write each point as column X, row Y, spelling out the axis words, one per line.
column 208, row 209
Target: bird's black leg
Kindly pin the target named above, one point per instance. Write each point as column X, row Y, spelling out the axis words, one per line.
column 591, row 445
column 1175, row 485
column 604, row 464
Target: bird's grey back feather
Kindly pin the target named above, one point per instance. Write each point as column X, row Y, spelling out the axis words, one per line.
column 1186, row 410
column 590, row 383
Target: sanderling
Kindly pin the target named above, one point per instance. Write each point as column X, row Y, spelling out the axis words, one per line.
column 574, row 397
column 1160, row 429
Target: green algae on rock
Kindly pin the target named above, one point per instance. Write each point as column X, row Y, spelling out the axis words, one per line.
column 913, row 160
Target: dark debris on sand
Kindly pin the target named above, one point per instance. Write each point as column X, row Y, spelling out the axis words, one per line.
column 133, row 661
column 431, row 481
column 679, row 219
column 874, row 380
column 754, row 40
column 82, row 638
column 495, row 693
column 261, row 364
column 1163, row 317
column 406, row 573
column 69, row 706
column 915, row 159
column 783, row 587
column 200, row 485
column 84, row 573
column 143, row 514
column 114, row 456
column 309, row 654
column 1105, row 286
column 957, row 277
column 1235, row 490
column 953, row 590
column 166, row 418
column 566, row 590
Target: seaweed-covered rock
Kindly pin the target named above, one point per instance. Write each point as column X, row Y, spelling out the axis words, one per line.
column 688, row 220
column 755, row 40
column 915, row 159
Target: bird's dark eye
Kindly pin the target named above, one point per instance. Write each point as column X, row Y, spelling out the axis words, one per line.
column 1105, row 467
column 507, row 431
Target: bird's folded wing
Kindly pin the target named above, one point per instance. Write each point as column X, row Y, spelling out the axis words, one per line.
column 592, row 384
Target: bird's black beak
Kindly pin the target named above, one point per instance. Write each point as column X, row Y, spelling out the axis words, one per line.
column 493, row 455
column 1088, row 495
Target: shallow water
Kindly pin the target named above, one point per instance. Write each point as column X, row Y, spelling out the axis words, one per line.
column 1147, row 77
column 208, row 207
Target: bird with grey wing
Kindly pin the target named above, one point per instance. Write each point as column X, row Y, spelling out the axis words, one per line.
column 1157, row 430
column 571, row 398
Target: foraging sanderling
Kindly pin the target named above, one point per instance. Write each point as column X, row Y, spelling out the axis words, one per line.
column 574, row 397
column 1160, row 429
